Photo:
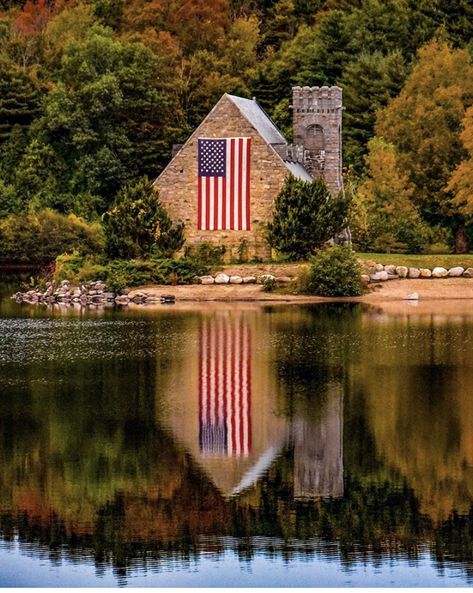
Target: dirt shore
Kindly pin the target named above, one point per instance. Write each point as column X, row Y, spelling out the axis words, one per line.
column 451, row 289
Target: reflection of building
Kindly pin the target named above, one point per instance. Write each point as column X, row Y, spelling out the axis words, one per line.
column 222, row 406
column 225, row 386
column 318, row 449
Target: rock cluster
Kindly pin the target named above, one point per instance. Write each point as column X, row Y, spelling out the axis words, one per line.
column 225, row 279
column 91, row 293
column 375, row 272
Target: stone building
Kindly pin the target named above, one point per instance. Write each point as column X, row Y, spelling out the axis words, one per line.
column 196, row 185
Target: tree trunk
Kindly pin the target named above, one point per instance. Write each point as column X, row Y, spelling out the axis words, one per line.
column 461, row 240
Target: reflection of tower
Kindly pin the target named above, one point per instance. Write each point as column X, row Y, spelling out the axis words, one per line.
column 225, row 387
column 318, row 450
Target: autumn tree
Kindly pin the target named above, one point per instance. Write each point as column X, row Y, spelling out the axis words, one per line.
column 461, row 181
column 423, row 124
column 384, row 217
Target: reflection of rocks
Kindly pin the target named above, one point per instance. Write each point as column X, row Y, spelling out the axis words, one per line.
column 318, row 450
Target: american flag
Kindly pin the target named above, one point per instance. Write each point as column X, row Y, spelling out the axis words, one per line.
column 224, row 184
column 225, row 387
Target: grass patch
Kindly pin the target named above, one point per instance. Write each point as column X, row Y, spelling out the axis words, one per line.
column 446, row 260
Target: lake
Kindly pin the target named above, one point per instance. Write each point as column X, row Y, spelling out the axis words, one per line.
column 235, row 445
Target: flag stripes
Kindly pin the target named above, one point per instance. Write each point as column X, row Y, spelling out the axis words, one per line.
column 225, row 387
column 224, row 200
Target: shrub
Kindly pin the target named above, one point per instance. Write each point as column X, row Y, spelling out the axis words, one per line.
column 306, row 216
column 138, row 225
column 333, row 272
column 205, row 253
column 120, row 274
column 40, row 237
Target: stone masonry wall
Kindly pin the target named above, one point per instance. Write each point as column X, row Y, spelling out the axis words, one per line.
column 177, row 184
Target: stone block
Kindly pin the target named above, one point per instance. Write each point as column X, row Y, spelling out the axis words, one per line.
column 413, row 273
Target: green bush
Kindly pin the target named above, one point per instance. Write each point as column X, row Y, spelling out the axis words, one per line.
column 137, row 225
column 205, row 253
column 333, row 272
column 305, row 217
column 40, row 237
column 120, row 274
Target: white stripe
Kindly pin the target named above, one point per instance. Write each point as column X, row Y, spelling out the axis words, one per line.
column 243, row 187
column 204, row 202
column 220, row 371
column 228, row 347
column 236, row 186
column 211, row 205
column 227, row 181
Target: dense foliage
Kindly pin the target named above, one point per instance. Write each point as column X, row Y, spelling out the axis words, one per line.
column 138, row 225
column 333, row 272
column 94, row 93
column 305, row 217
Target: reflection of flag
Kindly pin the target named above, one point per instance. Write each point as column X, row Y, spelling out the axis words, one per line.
column 225, row 387
column 223, row 184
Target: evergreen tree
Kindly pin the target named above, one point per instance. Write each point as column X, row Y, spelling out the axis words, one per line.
column 305, row 217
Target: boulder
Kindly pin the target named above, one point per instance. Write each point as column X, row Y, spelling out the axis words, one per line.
column 207, row 280
column 413, row 273
column 236, row 280
column 456, row 272
column 222, row 279
column 425, row 273
column 365, row 279
column 439, row 272
column 249, row 280
column 402, row 271
column 413, row 296
column 122, row 299
column 390, row 269
column 468, row 273
column 379, row 267
column 283, row 279
column 379, row 276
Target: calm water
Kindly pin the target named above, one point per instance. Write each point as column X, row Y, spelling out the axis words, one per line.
column 235, row 446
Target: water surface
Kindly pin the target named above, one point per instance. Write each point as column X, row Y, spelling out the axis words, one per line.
column 326, row 445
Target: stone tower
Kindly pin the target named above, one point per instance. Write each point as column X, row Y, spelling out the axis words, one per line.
column 317, row 124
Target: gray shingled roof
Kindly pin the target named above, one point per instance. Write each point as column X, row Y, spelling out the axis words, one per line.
column 257, row 117
column 259, row 120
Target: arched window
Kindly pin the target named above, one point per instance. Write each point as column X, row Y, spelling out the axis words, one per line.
column 315, row 138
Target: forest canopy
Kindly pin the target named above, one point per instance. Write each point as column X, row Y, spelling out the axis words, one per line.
column 94, row 93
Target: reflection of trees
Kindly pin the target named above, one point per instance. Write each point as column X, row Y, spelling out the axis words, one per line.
column 86, row 464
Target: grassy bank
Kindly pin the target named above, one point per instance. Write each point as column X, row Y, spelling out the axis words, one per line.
column 448, row 260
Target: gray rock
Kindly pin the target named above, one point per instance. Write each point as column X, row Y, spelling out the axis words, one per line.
column 207, row 280
column 414, row 296
column 379, row 276
column 468, row 273
column 283, row 279
column 402, row 271
column 425, row 273
column 439, row 272
column 365, row 278
column 379, row 267
column 122, row 299
column 236, row 280
column 390, row 269
column 222, row 279
column 249, row 280
column 413, row 273
column 456, row 271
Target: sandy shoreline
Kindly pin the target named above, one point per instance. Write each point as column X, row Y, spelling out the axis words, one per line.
column 393, row 290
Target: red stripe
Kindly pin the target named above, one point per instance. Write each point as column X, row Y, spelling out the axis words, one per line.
column 207, row 203
column 224, row 365
column 224, row 203
column 248, row 156
column 240, row 185
column 207, row 354
column 232, row 182
column 217, row 373
column 248, row 374
column 232, row 391
column 201, row 370
column 240, row 414
column 199, row 205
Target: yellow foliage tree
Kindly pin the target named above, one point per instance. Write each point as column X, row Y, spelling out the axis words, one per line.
column 461, row 181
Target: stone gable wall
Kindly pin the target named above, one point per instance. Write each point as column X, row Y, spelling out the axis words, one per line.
column 177, row 184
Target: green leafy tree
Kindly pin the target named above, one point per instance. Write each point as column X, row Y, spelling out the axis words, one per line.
column 137, row 224
column 305, row 217
column 334, row 272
